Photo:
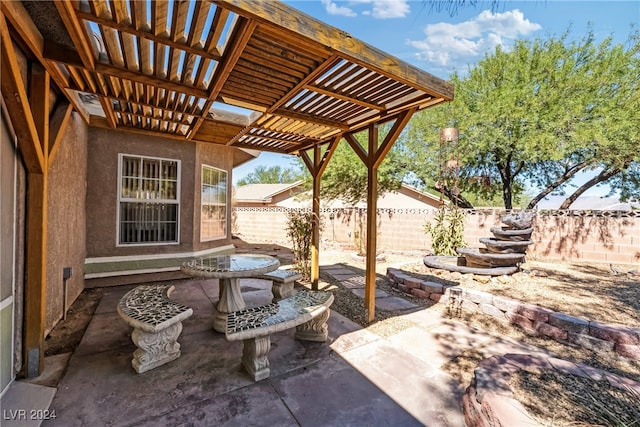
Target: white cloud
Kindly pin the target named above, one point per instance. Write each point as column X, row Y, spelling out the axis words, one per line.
column 386, row 9
column 456, row 44
column 380, row 9
column 333, row 9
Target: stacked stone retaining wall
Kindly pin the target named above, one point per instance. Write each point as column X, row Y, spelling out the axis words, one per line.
column 534, row 320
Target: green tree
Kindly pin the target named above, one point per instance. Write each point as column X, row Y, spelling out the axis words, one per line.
column 272, row 175
column 538, row 113
column 346, row 176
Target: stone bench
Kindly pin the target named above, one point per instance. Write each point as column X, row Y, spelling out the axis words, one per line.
column 282, row 282
column 308, row 311
column 157, row 323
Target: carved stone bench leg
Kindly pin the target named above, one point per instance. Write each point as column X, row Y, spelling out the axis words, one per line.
column 281, row 290
column 155, row 349
column 254, row 357
column 315, row 329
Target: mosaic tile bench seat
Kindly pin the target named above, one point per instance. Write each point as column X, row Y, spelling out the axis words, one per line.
column 282, row 282
column 308, row 311
column 156, row 322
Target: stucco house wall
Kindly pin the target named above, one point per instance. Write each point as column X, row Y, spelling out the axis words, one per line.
column 105, row 259
column 66, row 227
column 220, row 157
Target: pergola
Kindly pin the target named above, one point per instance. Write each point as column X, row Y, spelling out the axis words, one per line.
column 165, row 68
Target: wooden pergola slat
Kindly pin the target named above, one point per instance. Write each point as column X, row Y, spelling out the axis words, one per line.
column 296, row 24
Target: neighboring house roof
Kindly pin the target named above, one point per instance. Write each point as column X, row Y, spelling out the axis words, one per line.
column 407, row 197
column 589, row 203
column 262, row 192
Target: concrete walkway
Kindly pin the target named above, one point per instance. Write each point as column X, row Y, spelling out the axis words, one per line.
column 357, row 378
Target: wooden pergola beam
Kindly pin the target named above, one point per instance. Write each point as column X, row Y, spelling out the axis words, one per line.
column 17, row 15
column 77, row 33
column 128, row 29
column 57, row 125
column 15, row 95
column 231, row 57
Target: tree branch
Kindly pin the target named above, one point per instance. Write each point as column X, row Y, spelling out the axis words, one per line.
column 566, row 176
column 601, row 177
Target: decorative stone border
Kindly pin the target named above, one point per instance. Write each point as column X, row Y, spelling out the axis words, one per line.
column 534, row 320
column 489, row 400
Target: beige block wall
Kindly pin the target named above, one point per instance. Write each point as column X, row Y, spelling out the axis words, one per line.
column 557, row 235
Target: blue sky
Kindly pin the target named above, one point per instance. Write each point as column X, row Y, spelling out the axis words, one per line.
column 441, row 43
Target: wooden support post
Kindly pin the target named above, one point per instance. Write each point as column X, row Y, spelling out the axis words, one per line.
column 315, row 227
column 372, row 158
column 36, row 274
column 37, row 190
column 316, row 167
column 31, row 123
column 372, row 227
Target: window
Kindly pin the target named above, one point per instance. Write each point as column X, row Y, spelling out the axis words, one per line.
column 148, row 200
column 213, row 217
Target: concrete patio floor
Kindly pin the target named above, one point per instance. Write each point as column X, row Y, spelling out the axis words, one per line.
column 356, row 378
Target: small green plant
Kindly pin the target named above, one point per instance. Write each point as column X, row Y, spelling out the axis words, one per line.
column 446, row 230
column 299, row 230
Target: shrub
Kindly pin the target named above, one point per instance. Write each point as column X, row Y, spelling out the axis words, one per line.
column 447, row 230
column 299, row 230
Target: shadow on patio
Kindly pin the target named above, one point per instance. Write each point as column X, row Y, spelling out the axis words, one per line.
column 356, row 378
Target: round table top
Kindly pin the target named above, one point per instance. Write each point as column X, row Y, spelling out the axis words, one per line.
column 229, row 266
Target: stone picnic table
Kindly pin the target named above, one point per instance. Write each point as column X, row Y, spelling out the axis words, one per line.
column 229, row 269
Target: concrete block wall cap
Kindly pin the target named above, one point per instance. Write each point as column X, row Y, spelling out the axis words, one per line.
column 412, row 282
column 491, row 310
column 432, row 287
column 478, row 296
column 506, row 304
column 534, row 312
column 551, row 331
column 590, row 342
column 629, row 351
column 616, row 333
column 569, row 323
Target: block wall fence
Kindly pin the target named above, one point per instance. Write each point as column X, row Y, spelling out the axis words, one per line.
column 589, row 236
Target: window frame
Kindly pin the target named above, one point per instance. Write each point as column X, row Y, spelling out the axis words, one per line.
column 120, row 199
column 203, row 239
